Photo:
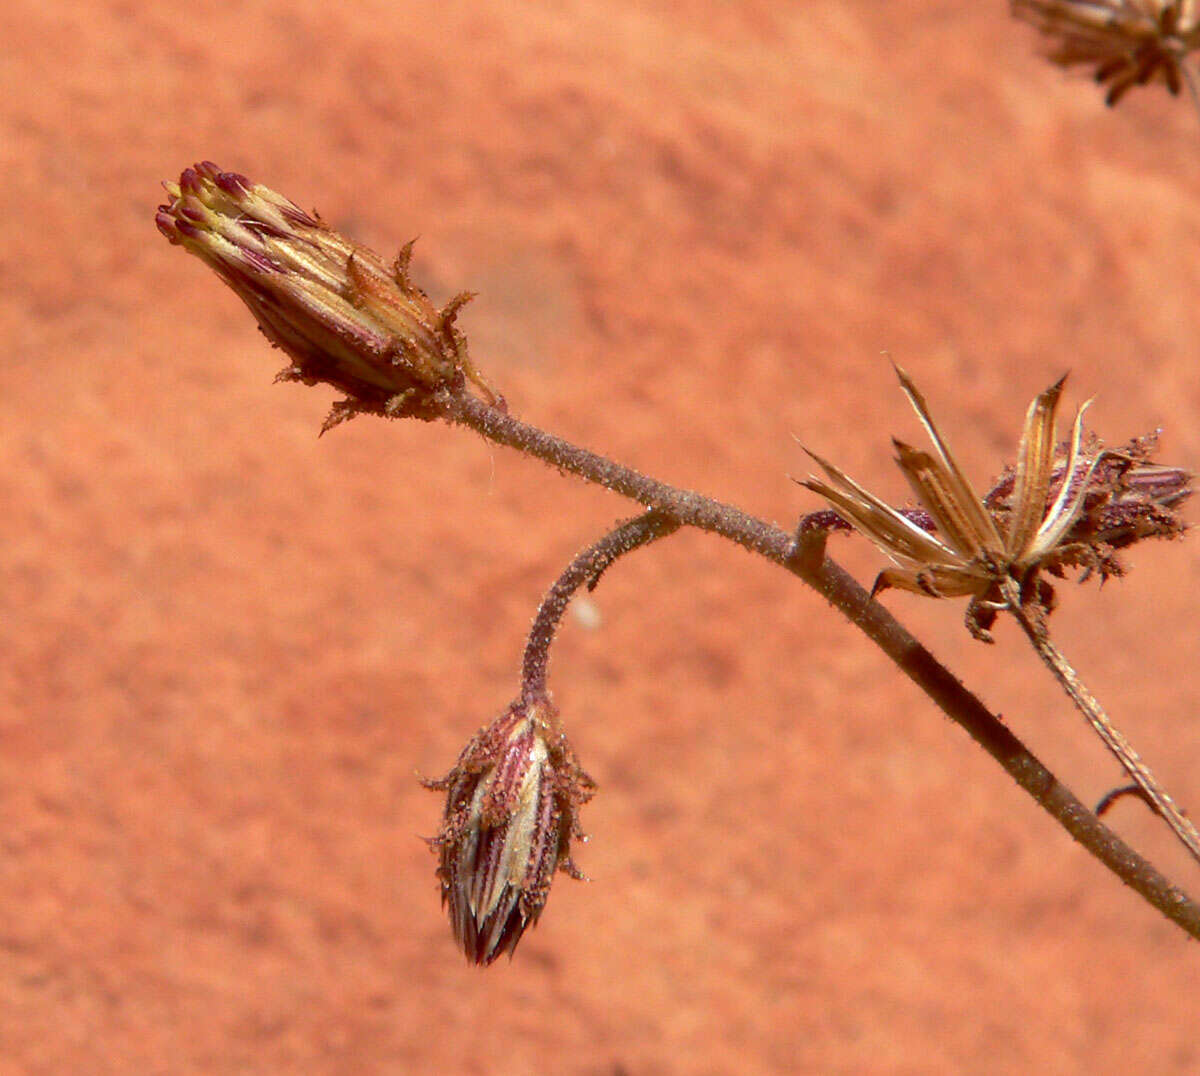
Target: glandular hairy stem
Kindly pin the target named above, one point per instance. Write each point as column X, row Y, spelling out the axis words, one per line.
column 585, row 569
column 1113, row 739
column 804, row 558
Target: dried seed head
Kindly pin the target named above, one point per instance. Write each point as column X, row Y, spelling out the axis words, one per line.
column 1128, row 42
column 512, row 802
column 341, row 315
column 1128, row 499
column 1061, row 506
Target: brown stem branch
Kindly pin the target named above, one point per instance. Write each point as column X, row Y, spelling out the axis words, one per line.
column 1090, row 707
column 804, row 557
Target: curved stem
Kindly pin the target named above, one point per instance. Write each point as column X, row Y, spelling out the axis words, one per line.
column 585, row 568
column 1090, row 707
column 804, row 557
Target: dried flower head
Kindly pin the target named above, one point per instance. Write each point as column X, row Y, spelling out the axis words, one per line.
column 512, row 803
column 339, row 312
column 1129, row 42
column 1058, row 508
column 1128, row 498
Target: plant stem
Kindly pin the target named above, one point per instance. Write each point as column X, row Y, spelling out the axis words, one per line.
column 585, row 568
column 1090, row 707
column 804, row 557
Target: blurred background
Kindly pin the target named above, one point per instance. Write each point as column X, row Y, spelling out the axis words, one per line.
column 228, row 646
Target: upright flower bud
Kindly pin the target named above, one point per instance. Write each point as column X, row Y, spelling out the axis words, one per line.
column 339, row 312
column 512, row 801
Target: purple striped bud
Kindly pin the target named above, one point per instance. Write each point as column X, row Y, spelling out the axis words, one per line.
column 512, row 802
column 340, row 313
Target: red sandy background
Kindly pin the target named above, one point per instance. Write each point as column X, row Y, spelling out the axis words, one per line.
column 228, row 646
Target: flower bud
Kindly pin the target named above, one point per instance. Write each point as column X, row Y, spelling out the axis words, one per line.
column 511, row 810
column 340, row 314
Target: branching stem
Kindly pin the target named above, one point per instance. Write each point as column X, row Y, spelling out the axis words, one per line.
column 804, row 556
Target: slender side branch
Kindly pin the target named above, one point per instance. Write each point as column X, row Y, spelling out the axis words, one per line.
column 1157, row 796
column 585, row 568
column 805, row 559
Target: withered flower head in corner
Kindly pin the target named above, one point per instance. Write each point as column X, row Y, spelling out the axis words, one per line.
column 1058, row 508
column 340, row 313
column 1128, row 42
column 512, row 803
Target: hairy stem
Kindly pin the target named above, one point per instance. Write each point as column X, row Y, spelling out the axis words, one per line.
column 1089, row 706
column 585, row 568
column 804, row 557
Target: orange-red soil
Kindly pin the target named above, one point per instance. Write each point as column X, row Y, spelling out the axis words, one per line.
column 227, row 647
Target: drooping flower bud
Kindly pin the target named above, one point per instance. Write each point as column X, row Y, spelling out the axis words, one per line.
column 512, row 802
column 339, row 312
